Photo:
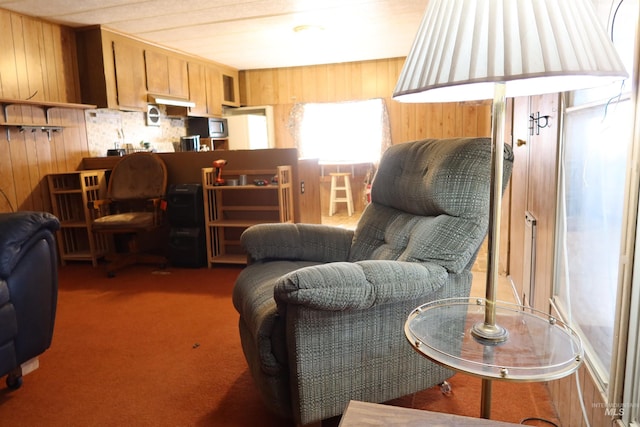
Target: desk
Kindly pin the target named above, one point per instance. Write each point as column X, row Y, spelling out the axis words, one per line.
column 186, row 168
column 363, row 414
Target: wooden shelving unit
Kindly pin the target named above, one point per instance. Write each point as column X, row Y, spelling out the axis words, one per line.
column 229, row 210
column 70, row 195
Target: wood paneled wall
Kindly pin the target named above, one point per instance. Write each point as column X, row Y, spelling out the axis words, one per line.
column 37, row 62
column 26, row 158
column 284, row 87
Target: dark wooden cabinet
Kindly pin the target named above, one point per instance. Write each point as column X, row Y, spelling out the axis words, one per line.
column 120, row 72
column 130, row 75
column 205, row 89
column 112, row 70
column 166, row 74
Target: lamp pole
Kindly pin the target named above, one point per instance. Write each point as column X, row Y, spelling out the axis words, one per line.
column 488, row 332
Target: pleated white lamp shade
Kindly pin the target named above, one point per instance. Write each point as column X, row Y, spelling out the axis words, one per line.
column 534, row 46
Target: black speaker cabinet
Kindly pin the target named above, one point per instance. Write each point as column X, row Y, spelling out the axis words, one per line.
column 185, row 205
column 187, row 247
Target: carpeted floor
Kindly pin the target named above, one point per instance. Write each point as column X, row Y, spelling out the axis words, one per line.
column 161, row 348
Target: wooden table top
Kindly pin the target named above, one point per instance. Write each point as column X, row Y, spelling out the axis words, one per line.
column 364, row 414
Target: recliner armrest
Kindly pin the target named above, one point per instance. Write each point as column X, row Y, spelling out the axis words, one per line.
column 360, row 285
column 309, row 242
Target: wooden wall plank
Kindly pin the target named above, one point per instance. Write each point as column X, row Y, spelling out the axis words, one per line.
column 58, row 151
column 322, row 83
column 297, row 84
column 22, row 81
column 66, row 64
column 32, row 33
column 8, row 199
column 449, row 114
column 369, row 79
column 49, row 60
column 8, row 71
column 38, row 62
column 469, row 119
column 309, row 80
column 382, row 80
column 19, row 155
column 342, row 77
column 357, row 81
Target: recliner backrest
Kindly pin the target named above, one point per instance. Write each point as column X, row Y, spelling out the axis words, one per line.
column 429, row 202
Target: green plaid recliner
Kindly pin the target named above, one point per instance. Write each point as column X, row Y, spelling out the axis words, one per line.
column 322, row 309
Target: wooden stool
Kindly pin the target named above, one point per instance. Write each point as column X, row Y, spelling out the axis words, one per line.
column 348, row 199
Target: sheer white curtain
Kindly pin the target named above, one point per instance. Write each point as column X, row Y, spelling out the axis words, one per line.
column 341, row 132
column 594, row 170
column 597, row 141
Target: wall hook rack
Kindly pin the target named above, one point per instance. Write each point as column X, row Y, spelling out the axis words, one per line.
column 537, row 122
column 33, row 127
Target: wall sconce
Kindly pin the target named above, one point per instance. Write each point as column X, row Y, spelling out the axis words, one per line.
column 537, row 122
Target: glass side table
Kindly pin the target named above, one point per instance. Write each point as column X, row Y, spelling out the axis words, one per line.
column 538, row 346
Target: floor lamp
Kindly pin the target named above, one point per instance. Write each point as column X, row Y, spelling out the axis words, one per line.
column 493, row 49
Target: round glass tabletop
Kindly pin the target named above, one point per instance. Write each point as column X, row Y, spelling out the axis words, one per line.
column 538, row 347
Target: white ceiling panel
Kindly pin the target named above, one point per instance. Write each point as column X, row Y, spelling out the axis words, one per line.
column 250, row 34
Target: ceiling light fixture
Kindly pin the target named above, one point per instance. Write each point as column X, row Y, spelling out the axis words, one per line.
column 308, row 28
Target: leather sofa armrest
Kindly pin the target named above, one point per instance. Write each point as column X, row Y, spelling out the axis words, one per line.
column 15, row 230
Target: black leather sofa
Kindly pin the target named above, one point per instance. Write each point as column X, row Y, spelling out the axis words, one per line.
column 28, row 289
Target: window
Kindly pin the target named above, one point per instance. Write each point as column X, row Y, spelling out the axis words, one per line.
column 595, row 159
column 343, row 132
column 593, row 175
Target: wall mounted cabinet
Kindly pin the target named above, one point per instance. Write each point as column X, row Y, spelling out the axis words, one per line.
column 120, row 72
column 130, row 76
column 112, row 70
column 205, row 83
column 230, row 87
column 166, row 74
column 197, row 88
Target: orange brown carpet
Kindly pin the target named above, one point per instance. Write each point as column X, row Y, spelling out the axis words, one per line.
column 161, row 348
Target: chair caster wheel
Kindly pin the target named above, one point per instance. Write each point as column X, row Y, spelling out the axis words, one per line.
column 445, row 388
column 14, row 382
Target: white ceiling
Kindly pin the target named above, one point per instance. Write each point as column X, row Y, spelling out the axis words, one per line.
column 250, row 34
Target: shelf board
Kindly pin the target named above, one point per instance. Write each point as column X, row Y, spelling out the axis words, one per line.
column 46, row 106
column 242, row 187
column 73, row 224
column 237, row 222
column 252, row 208
column 229, row 259
column 36, row 126
column 78, row 256
column 67, row 191
column 35, row 103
